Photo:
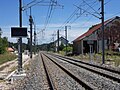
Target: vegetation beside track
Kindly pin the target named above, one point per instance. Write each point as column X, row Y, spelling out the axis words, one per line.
column 7, row 57
column 111, row 58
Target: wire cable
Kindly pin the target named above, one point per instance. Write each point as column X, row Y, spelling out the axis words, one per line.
column 70, row 17
column 93, row 5
column 50, row 12
column 73, row 14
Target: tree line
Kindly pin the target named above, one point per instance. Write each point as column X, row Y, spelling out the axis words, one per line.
column 3, row 44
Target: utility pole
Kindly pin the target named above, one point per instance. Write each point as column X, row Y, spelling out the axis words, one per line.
column 31, row 22
column 53, row 42
column 34, row 39
column 58, row 41
column 0, row 32
column 20, row 39
column 102, row 18
column 66, row 38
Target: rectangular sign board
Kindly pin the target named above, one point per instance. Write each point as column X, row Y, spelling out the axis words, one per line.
column 18, row 32
column 90, row 42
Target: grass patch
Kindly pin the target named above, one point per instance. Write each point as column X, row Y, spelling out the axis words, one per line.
column 13, row 68
column 2, row 81
column 26, row 67
column 62, row 52
column 7, row 57
column 111, row 59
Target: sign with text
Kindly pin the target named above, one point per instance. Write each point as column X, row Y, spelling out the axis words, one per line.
column 90, row 42
column 18, row 32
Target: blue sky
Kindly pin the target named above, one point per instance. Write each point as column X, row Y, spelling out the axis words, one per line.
column 9, row 17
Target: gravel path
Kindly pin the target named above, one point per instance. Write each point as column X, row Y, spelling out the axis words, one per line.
column 7, row 68
column 36, row 77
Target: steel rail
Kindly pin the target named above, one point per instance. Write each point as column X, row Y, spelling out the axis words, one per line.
column 92, row 70
column 82, row 82
column 50, row 83
column 104, row 68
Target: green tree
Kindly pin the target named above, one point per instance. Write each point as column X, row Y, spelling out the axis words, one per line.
column 3, row 45
column 61, row 47
column 5, row 41
column 69, row 49
column 0, row 32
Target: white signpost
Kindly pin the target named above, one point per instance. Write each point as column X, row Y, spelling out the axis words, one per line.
column 90, row 42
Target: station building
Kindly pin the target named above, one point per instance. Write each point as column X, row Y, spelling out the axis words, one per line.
column 92, row 39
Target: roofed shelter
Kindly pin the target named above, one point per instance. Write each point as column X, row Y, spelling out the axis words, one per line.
column 92, row 39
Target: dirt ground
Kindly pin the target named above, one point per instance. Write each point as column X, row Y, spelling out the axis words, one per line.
column 7, row 68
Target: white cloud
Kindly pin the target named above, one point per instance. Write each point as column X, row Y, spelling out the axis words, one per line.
column 72, row 34
column 76, row 30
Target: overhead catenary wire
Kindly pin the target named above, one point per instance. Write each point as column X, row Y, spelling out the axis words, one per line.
column 31, row 4
column 49, row 13
column 105, row 4
column 48, row 17
column 92, row 5
column 67, row 21
column 51, row 8
column 81, row 26
column 87, row 12
column 72, row 15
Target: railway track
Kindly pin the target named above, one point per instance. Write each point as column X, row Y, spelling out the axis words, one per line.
column 35, row 79
column 97, row 66
column 108, row 73
column 50, row 83
column 105, row 78
column 83, row 83
column 49, row 72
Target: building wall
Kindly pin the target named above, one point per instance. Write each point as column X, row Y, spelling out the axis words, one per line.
column 112, row 36
column 77, row 47
column 80, row 46
column 100, row 45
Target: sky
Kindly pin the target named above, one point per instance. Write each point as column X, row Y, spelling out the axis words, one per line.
column 65, row 13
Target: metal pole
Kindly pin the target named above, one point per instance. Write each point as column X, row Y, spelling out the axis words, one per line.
column 66, row 38
column 20, row 39
column 90, row 52
column 54, row 43
column 103, row 46
column 34, row 41
column 34, row 38
column 0, row 32
column 58, row 41
column 31, row 21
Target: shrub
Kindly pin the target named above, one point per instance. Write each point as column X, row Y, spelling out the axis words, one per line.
column 69, row 49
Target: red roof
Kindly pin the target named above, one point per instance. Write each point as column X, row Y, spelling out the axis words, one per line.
column 90, row 31
column 10, row 49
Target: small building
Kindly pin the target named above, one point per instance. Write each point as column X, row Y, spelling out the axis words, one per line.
column 92, row 39
column 9, row 49
column 62, row 40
